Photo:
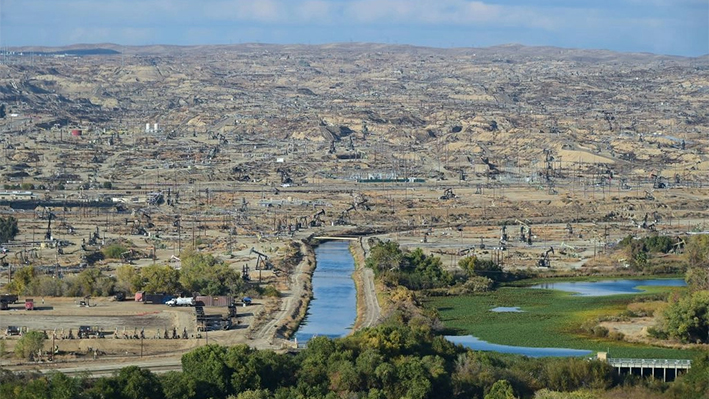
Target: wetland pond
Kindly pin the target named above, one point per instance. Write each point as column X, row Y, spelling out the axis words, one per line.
column 581, row 288
column 609, row 287
column 479, row 345
column 333, row 309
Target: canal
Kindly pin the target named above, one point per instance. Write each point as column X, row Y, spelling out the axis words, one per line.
column 333, row 309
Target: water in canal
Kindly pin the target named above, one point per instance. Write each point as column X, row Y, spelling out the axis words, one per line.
column 333, row 309
column 609, row 287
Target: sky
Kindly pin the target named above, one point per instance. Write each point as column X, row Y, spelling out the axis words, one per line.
column 677, row 27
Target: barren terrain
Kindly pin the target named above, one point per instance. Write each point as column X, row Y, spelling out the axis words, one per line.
column 228, row 148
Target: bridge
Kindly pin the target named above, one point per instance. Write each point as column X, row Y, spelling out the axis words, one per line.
column 344, row 238
column 667, row 369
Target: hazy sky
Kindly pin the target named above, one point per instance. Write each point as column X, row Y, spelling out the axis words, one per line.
column 659, row 26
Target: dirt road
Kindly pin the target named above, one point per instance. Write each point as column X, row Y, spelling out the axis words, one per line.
column 265, row 336
column 372, row 311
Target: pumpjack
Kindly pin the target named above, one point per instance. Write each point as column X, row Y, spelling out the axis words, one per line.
column 544, row 260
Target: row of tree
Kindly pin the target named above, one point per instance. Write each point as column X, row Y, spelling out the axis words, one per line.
column 389, row 361
column 687, row 316
column 411, row 269
column 199, row 272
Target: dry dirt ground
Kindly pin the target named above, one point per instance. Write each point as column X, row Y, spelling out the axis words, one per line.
column 257, row 326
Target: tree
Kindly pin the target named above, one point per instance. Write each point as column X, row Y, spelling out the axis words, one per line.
column 63, row 387
column 137, row 383
column 128, row 279
column 207, row 275
column 3, row 112
column 29, row 345
column 694, row 384
column 385, row 256
column 206, row 366
column 687, row 318
column 501, row 390
column 92, row 282
column 113, row 251
column 8, row 228
column 157, row 278
column 697, row 250
column 21, row 280
column 474, row 266
column 257, row 394
column 176, row 385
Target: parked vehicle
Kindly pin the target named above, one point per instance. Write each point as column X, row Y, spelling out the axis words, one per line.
column 181, row 302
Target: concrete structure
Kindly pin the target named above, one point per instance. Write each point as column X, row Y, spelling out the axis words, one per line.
column 667, row 369
column 16, row 195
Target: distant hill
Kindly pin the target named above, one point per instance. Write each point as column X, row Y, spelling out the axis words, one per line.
column 75, row 52
column 505, row 53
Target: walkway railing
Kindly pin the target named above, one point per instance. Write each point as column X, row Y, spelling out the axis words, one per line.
column 658, row 368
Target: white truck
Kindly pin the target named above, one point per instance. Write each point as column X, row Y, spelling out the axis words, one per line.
column 180, row 302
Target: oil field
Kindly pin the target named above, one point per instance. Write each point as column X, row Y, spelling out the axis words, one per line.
column 169, row 197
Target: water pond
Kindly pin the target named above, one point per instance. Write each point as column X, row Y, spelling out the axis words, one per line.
column 507, row 309
column 477, row 344
column 609, row 287
column 333, row 309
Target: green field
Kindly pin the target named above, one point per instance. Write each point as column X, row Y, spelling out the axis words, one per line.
column 550, row 319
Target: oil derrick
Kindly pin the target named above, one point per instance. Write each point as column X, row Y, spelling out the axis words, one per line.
column 94, row 237
column 657, row 181
column 262, row 262
column 316, row 221
column 525, row 232
column 156, row 199
column 285, row 176
column 503, row 236
column 49, row 215
column 360, row 201
column 544, row 260
column 491, row 168
column 344, row 218
column 448, row 194
column 549, row 167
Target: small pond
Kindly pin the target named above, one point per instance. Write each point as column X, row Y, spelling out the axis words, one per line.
column 333, row 309
column 479, row 345
column 609, row 287
column 507, row 309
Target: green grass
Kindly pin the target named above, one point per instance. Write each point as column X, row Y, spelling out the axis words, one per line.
column 550, row 319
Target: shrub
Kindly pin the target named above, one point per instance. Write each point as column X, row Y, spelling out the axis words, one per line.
column 271, row 291
column 599, row 331
column 113, row 251
column 657, row 333
column 28, row 346
column 616, row 335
